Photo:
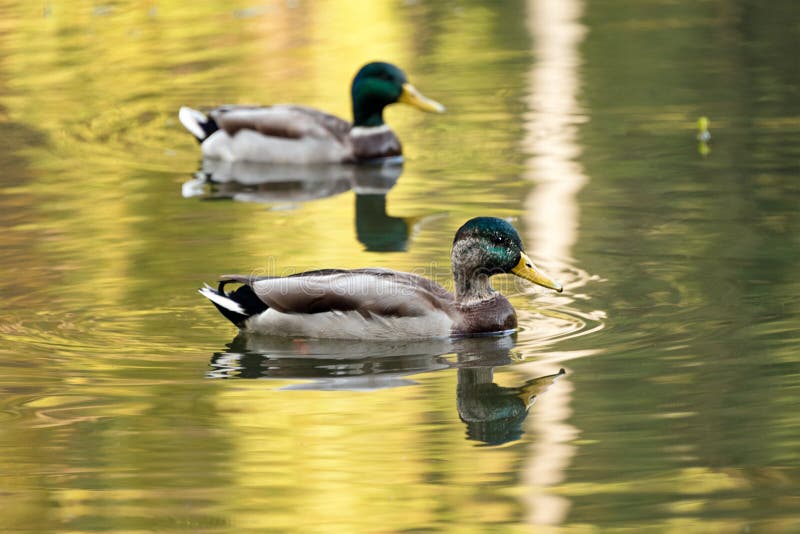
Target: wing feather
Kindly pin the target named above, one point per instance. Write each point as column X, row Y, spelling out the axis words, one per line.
column 284, row 121
column 370, row 292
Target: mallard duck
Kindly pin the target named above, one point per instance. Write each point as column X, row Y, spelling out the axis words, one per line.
column 377, row 303
column 303, row 135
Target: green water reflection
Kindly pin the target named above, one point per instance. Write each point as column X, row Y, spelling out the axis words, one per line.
column 677, row 329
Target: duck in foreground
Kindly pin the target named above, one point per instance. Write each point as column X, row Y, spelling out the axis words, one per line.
column 384, row 304
column 302, row 135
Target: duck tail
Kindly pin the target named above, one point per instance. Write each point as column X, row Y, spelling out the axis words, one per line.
column 237, row 306
column 198, row 124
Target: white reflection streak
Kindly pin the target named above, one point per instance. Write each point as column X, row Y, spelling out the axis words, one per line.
column 552, row 220
column 552, row 213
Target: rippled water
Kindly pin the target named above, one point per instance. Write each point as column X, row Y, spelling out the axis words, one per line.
column 128, row 404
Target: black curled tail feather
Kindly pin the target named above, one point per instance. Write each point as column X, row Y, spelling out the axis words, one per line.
column 245, row 297
column 209, row 127
column 238, row 305
column 199, row 124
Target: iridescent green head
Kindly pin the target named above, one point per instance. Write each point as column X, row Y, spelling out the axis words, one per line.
column 485, row 246
column 379, row 84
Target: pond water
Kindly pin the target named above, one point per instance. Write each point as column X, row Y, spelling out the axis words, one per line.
column 127, row 403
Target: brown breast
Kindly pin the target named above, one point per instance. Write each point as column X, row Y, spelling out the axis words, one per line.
column 493, row 315
column 381, row 143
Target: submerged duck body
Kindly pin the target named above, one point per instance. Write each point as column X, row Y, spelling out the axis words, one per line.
column 302, row 135
column 385, row 304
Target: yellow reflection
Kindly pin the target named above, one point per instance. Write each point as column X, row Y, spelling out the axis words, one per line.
column 328, row 444
column 357, row 461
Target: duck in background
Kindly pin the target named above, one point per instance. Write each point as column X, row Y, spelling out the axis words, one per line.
column 384, row 304
column 303, row 135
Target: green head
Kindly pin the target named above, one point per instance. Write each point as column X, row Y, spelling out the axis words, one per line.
column 485, row 246
column 379, row 84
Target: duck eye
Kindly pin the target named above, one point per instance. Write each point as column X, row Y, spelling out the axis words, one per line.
column 497, row 240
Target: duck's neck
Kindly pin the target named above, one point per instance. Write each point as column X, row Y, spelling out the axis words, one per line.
column 471, row 278
column 472, row 287
column 366, row 111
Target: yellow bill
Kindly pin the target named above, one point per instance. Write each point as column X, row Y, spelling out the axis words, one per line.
column 411, row 95
column 525, row 269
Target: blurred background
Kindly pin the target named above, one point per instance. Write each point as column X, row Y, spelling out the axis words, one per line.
column 128, row 404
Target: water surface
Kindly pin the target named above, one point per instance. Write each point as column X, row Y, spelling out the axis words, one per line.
column 128, row 404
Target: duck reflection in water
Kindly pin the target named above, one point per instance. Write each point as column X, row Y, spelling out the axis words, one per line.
column 377, row 230
column 285, row 186
column 493, row 414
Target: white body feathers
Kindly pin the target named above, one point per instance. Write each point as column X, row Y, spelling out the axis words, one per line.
column 253, row 146
column 286, row 134
column 273, row 134
column 349, row 325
